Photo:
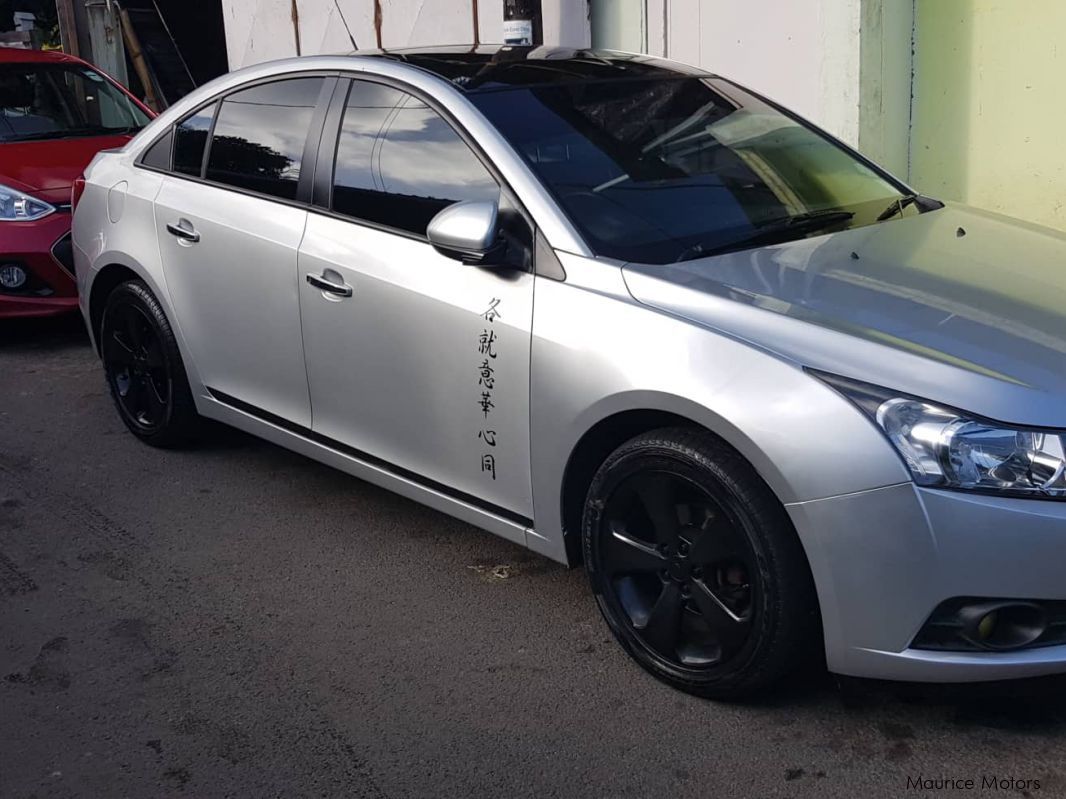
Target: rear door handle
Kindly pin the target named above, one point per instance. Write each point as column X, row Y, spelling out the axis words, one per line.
column 182, row 232
column 319, row 282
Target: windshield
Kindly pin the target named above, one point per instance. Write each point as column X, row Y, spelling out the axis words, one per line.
column 657, row 171
column 54, row 101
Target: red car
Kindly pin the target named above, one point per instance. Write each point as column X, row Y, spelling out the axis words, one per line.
column 56, row 113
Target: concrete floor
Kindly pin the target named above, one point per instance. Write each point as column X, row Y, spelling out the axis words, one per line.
column 239, row 621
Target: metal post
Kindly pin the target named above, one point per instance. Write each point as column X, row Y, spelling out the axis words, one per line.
column 522, row 22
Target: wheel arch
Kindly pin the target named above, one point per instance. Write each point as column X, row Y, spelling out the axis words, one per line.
column 116, row 269
column 591, row 450
column 105, row 281
column 612, row 429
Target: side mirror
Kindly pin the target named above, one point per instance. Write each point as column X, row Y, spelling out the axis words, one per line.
column 466, row 231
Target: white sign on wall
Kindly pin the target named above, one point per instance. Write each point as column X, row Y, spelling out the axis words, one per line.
column 518, row 31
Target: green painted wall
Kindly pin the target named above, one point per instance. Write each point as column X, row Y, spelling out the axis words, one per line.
column 988, row 110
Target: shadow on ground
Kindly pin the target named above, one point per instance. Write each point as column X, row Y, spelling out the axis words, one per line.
column 50, row 333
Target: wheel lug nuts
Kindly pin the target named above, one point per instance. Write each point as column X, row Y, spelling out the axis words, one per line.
column 686, row 590
column 683, row 549
column 697, row 573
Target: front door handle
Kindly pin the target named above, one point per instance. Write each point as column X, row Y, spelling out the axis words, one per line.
column 182, row 232
column 319, row 282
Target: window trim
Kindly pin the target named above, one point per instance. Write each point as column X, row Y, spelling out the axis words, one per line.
column 205, row 156
column 302, row 202
column 329, row 114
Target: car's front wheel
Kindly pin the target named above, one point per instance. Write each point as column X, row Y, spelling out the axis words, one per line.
column 143, row 368
column 696, row 567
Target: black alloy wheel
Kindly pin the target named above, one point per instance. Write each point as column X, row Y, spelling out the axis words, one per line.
column 136, row 367
column 695, row 566
column 681, row 569
column 143, row 367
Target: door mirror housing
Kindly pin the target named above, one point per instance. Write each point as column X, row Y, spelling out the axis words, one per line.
column 468, row 232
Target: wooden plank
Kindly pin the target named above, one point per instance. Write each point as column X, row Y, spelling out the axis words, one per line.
column 68, row 27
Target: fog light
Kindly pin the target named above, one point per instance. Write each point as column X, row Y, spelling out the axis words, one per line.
column 987, row 626
column 973, row 624
column 12, row 276
column 1002, row 624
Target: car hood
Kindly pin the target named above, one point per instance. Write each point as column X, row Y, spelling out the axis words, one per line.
column 48, row 168
column 960, row 306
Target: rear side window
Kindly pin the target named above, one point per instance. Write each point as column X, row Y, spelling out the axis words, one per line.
column 158, row 155
column 417, row 166
column 190, row 138
column 259, row 138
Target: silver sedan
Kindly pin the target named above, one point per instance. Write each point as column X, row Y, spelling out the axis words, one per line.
column 622, row 312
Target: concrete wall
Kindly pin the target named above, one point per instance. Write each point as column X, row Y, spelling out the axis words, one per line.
column 844, row 64
column 983, row 125
column 988, row 110
column 885, row 72
column 619, row 25
column 260, row 30
column 805, row 55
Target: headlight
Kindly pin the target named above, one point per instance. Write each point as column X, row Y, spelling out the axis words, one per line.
column 18, row 207
column 947, row 448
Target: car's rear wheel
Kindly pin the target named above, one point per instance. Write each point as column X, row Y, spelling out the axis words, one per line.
column 696, row 567
column 144, row 369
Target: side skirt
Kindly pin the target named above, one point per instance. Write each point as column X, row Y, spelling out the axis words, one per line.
column 235, row 413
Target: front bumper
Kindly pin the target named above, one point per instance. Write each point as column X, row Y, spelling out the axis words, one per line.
column 42, row 249
column 884, row 559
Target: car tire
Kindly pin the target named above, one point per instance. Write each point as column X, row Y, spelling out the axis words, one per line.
column 144, row 370
column 696, row 567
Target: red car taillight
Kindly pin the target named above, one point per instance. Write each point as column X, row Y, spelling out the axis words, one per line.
column 76, row 191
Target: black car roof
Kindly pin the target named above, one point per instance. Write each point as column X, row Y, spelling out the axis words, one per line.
column 492, row 67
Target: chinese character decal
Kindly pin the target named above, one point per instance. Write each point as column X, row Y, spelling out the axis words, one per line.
column 493, row 313
column 486, row 375
column 487, row 343
column 486, row 382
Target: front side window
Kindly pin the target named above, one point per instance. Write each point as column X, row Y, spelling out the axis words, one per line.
column 356, row 186
column 399, row 163
column 663, row 170
column 59, row 101
column 258, row 140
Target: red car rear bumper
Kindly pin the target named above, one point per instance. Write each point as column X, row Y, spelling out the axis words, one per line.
column 42, row 248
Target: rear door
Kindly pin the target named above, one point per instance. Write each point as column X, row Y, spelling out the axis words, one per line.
column 420, row 363
column 230, row 219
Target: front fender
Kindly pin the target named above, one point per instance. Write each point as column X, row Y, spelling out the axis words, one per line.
column 597, row 353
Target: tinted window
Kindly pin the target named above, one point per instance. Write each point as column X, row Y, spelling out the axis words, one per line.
column 356, row 190
column 259, row 137
column 666, row 170
column 190, row 138
column 57, row 101
column 421, row 166
column 158, row 155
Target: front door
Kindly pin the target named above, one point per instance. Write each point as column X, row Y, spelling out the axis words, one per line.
column 414, row 359
column 229, row 231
